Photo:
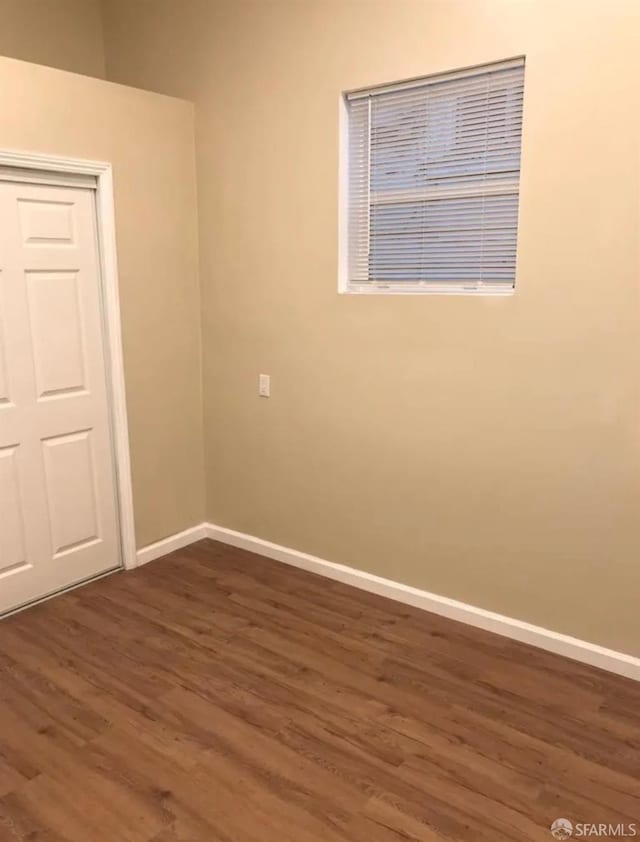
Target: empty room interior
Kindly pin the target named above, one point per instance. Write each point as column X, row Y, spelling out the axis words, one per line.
column 319, row 420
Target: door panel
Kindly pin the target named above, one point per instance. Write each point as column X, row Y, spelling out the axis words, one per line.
column 58, row 519
column 12, row 539
column 56, row 332
column 4, row 382
column 46, row 222
column 71, row 496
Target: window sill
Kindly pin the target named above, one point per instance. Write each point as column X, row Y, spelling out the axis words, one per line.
column 477, row 292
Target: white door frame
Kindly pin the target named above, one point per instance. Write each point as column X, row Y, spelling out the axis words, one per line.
column 105, row 213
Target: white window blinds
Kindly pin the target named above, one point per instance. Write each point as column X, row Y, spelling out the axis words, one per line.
column 433, row 170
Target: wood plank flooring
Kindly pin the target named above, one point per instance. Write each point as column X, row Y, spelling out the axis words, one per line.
column 217, row 695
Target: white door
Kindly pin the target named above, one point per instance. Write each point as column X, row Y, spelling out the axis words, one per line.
column 58, row 521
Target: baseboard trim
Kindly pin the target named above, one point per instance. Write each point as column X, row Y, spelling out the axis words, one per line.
column 560, row 644
column 171, row 543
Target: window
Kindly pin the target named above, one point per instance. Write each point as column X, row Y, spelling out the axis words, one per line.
column 431, row 183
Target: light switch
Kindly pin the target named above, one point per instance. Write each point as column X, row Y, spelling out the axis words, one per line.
column 264, row 385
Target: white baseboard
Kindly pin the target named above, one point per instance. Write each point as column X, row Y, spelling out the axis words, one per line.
column 560, row 644
column 171, row 543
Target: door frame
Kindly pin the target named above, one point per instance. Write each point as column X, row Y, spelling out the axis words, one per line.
column 110, row 299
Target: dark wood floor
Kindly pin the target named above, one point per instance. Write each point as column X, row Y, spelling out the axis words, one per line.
column 217, row 695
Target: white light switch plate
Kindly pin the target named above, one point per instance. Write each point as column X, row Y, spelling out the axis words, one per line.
column 264, row 385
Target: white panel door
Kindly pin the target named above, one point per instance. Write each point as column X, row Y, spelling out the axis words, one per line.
column 58, row 521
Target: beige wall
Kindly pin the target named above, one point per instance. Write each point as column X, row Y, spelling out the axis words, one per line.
column 60, row 33
column 485, row 449
column 149, row 140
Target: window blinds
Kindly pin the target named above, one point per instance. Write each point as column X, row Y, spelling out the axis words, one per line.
column 433, row 173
